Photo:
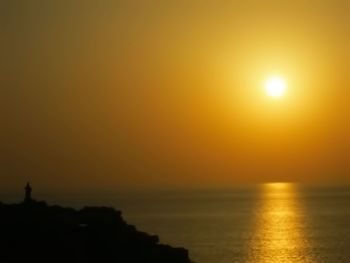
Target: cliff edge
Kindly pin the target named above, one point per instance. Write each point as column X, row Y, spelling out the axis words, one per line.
column 32, row 231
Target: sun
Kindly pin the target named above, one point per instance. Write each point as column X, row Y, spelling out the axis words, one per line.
column 276, row 87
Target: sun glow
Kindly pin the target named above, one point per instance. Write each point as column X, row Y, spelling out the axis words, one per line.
column 276, row 87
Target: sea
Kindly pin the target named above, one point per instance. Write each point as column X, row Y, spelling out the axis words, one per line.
column 267, row 223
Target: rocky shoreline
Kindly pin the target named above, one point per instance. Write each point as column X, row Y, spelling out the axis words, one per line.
column 33, row 231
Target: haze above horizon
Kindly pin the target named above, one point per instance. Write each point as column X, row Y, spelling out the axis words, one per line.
column 130, row 94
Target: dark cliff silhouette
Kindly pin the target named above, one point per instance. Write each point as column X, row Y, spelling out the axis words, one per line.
column 32, row 231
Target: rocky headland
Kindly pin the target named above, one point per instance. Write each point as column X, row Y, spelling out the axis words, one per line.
column 33, row 231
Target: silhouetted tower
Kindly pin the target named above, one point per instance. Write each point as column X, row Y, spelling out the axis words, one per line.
column 28, row 193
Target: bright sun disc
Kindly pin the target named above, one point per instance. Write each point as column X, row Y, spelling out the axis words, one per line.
column 276, row 87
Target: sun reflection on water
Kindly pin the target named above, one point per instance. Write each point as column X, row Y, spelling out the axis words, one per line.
column 280, row 231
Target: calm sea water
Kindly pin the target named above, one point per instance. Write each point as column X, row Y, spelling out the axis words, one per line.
column 271, row 223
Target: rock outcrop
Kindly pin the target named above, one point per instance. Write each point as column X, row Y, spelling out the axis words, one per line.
column 35, row 232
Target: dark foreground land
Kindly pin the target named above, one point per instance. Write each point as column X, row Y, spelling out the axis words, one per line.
column 35, row 232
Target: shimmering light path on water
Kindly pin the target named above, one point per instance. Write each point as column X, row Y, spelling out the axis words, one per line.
column 279, row 234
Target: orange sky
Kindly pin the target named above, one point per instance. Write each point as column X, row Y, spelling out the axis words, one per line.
column 120, row 94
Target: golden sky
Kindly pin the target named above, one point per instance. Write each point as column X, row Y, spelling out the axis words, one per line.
column 111, row 94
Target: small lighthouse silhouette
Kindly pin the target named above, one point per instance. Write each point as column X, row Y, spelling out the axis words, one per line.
column 28, row 193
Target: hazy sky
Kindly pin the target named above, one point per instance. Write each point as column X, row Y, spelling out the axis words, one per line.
column 112, row 94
